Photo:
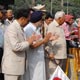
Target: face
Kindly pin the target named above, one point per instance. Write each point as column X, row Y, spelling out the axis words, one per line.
column 48, row 21
column 71, row 21
column 24, row 21
column 40, row 23
column 61, row 20
column 9, row 15
column 1, row 15
column 79, row 22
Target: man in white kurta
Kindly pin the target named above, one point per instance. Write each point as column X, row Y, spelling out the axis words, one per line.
column 36, row 63
column 35, row 56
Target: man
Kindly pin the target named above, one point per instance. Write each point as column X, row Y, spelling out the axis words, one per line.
column 1, row 36
column 48, row 19
column 36, row 67
column 9, row 17
column 69, row 33
column 2, row 27
column 70, row 39
column 15, row 45
column 59, row 45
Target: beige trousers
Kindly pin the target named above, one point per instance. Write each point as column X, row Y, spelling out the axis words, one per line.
column 12, row 77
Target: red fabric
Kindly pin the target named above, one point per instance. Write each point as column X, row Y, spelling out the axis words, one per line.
column 75, row 31
column 57, row 78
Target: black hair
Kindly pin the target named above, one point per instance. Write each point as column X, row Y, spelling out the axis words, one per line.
column 31, row 9
column 48, row 15
column 22, row 13
column 3, row 11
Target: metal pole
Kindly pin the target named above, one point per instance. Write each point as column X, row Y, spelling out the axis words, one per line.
column 62, row 2
column 51, row 7
column 67, row 6
column 33, row 2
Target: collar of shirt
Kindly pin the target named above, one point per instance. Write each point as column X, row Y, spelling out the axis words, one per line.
column 45, row 24
column 33, row 26
column 30, row 25
column 9, row 21
column 18, row 25
column 56, row 23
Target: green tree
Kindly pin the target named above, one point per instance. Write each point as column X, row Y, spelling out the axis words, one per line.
column 71, row 7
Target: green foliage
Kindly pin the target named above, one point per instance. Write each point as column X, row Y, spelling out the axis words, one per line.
column 73, row 5
column 21, row 4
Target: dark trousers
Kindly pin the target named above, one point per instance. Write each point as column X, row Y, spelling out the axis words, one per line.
column 1, row 76
column 68, row 46
column 1, row 54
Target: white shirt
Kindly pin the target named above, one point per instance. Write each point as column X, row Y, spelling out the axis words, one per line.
column 35, row 57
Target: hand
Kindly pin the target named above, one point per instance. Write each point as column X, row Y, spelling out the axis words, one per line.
column 54, row 37
column 51, row 56
column 38, row 37
column 47, row 37
column 32, row 38
column 72, row 32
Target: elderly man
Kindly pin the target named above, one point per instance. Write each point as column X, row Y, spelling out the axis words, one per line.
column 59, row 45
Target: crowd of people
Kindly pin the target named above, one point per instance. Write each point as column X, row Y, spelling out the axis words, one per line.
column 33, row 43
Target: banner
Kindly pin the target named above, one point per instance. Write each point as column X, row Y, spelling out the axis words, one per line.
column 59, row 75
